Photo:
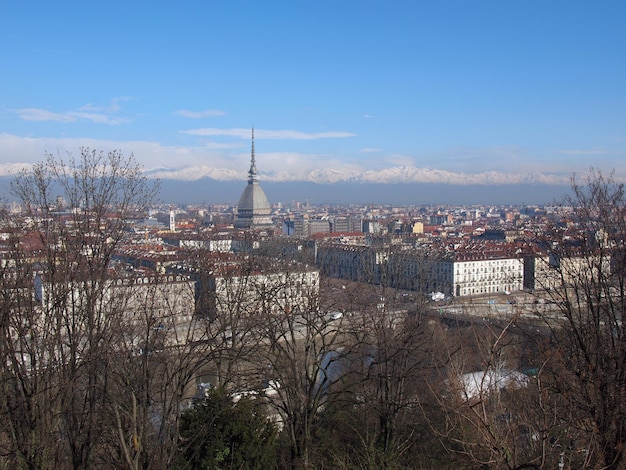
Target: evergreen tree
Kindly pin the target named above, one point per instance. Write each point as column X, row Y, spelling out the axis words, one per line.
column 217, row 433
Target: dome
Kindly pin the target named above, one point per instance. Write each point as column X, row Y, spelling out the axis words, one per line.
column 253, row 210
column 253, row 199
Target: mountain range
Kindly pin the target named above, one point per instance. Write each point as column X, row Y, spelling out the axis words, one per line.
column 398, row 174
column 213, row 191
column 402, row 185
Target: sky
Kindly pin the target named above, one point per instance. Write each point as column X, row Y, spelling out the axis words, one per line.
column 454, row 92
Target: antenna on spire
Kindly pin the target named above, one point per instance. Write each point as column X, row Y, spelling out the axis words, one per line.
column 252, row 173
column 253, row 145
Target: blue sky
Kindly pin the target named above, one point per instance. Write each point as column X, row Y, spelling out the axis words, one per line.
column 450, row 91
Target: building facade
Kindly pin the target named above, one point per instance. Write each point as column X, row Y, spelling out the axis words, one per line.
column 238, row 293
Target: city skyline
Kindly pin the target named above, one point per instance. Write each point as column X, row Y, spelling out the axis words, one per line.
column 449, row 95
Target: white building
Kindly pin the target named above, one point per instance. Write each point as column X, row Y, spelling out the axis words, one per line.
column 137, row 305
column 475, row 385
column 476, row 274
column 484, row 269
column 238, row 291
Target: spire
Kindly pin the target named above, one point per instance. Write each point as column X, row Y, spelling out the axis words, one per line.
column 254, row 210
column 252, row 174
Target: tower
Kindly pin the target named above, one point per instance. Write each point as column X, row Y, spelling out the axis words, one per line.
column 253, row 210
column 172, row 221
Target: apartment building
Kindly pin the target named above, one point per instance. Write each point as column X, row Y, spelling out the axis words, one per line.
column 238, row 290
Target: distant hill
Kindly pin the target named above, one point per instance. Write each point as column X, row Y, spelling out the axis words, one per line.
column 212, row 191
column 208, row 190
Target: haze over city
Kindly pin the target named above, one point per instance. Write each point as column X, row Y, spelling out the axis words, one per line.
column 458, row 101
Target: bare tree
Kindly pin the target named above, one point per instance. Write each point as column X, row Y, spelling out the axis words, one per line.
column 301, row 356
column 493, row 414
column 570, row 412
column 375, row 418
column 162, row 348
column 391, row 361
column 29, row 383
column 68, row 329
column 589, row 296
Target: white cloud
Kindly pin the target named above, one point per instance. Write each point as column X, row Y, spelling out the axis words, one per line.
column 200, row 114
column 36, row 114
column 27, row 150
column 583, row 152
column 292, row 166
column 223, row 146
column 400, row 160
column 88, row 112
column 100, row 118
column 14, row 168
column 196, row 172
column 114, row 107
column 224, row 162
column 267, row 134
column 369, row 150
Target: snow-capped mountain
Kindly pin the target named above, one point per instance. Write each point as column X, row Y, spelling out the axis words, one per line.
column 400, row 174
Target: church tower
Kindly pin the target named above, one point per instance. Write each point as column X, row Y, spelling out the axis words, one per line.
column 253, row 210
